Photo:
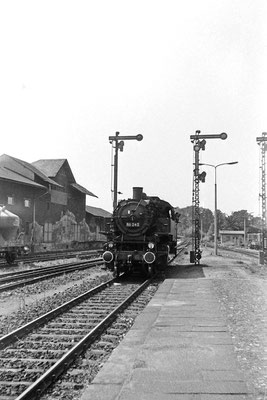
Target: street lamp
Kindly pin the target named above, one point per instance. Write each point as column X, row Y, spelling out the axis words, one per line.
column 215, row 198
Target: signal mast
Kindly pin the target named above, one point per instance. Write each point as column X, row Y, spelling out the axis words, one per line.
column 261, row 142
column 119, row 144
column 195, row 254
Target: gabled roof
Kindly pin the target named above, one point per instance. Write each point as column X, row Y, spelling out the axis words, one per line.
column 82, row 189
column 98, row 212
column 45, row 169
column 33, row 169
column 49, row 167
column 6, row 174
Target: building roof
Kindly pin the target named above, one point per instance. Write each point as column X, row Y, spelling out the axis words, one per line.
column 98, row 212
column 82, row 189
column 7, row 174
column 253, row 229
column 49, row 167
column 33, row 169
column 231, row 232
column 45, row 169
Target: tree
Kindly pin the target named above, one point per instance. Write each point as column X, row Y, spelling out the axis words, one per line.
column 221, row 220
column 185, row 221
column 233, row 222
column 206, row 220
column 237, row 220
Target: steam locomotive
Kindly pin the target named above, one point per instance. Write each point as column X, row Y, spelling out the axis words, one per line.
column 141, row 235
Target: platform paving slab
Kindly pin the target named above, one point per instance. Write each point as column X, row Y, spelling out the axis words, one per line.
column 178, row 348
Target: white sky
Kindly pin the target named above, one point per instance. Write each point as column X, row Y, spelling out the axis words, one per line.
column 72, row 73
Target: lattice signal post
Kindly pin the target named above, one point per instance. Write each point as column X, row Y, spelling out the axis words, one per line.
column 119, row 144
column 199, row 142
column 262, row 143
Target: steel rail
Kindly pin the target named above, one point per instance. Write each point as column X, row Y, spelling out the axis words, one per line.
column 56, row 256
column 49, row 256
column 182, row 246
column 59, row 271
column 240, row 251
column 40, row 271
column 25, row 329
column 51, row 375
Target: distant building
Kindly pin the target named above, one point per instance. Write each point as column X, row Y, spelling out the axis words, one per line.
column 254, row 238
column 234, row 237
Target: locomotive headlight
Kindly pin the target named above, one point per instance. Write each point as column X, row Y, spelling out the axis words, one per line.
column 110, row 245
column 151, row 245
column 26, row 249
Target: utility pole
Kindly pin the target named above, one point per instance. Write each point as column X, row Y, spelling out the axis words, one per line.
column 119, row 144
column 261, row 142
column 195, row 254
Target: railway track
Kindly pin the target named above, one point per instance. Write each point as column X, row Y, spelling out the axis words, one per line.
column 250, row 253
column 18, row 279
column 39, row 257
column 34, row 356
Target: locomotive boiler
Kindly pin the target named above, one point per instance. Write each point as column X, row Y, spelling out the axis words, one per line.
column 141, row 234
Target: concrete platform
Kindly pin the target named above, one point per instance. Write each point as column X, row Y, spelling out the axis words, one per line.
column 178, row 348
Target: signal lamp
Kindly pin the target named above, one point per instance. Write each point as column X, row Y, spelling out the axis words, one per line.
column 202, row 144
column 202, row 176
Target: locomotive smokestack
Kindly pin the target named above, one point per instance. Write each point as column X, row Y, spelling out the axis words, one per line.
column 137, row 193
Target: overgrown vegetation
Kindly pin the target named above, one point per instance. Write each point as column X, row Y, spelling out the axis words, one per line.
column 236, row 221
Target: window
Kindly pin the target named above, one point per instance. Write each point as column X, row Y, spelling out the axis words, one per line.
column 27, row 203
column 10, row 200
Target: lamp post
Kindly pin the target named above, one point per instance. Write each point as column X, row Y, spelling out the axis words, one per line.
column 215, row 200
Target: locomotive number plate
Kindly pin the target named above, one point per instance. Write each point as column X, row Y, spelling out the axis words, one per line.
column 132, row 224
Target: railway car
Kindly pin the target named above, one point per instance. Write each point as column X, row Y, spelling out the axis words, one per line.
column 141, row 235
column 11, row 239
column 255, row 241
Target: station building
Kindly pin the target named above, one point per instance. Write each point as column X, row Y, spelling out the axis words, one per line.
column 50, row 203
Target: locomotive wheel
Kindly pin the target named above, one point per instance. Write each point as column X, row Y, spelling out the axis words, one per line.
column 128, row 270
column 116, row 271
